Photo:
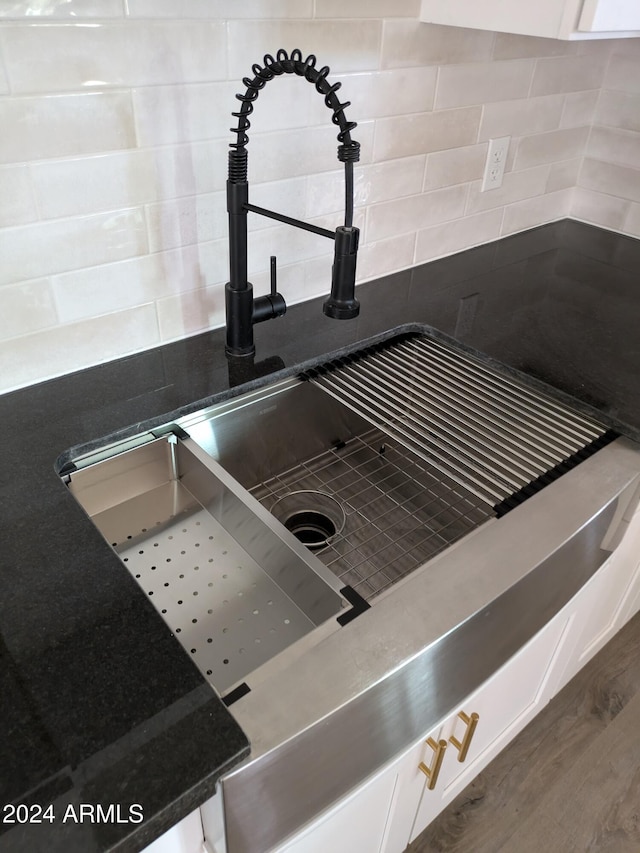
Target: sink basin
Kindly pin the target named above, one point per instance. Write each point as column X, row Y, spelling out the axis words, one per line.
column 234, row 587
column 377, row 510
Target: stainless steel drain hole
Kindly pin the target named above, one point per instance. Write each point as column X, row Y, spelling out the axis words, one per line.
column 313, row 529
column 313, row 517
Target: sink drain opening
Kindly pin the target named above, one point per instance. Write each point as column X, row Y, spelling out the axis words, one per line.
column 313, row 529
column 313, row 517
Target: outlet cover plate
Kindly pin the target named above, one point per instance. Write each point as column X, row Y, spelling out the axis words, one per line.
column 495, row 164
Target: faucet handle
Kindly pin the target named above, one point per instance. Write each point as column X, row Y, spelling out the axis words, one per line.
column 273, row 305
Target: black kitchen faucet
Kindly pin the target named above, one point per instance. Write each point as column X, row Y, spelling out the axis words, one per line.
column 242, row 310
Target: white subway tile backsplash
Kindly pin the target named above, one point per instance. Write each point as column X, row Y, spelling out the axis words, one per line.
column 405, row 136
column 94, row 184
column 415, row 212
column 521, row 117
column 595, row 48
column 173, row 114
column 298, row 281
column 189, row 168
column 367, row 8
column 551, row 147
column 306, row 280
column 125, row 284
column 189, row 312
column 4, row 83
column 108, row 288
column 535, row 211
column 184, row 113
column 287, row 196
column 579, row 109
column 632, row 221
column 196, row 266
column 111, row 55
column 278, row 156
column 618, row 109
column 43, row 248
column 378, row 182
column 26, row 307
column 464, row 85
column 186, row 221
column 407, row 43
column 223, row 9
column 515, row 186
column 610, row 178
column 385, row 256
column 563, row 175
column 387, row 93
column 17, row 203
column 609, row 144
column 623, row 73
column 65, row 125
column 454, row 166
column 608, row 185
column 599, row 208
column 116, row 118
column 514, row 46
column 62, row 349
column 445, row 239
column 48, row 9
column 568, row 74
column 342, row 45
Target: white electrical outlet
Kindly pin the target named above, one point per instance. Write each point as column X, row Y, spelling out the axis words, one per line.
column 496, row 161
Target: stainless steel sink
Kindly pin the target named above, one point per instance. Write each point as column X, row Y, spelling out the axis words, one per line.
column 377, row 509
column 377, row 463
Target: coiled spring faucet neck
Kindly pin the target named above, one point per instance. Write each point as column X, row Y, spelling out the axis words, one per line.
column 242, row 310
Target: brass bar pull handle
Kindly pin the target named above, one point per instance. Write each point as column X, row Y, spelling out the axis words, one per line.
column 432, row 772
column 463, row 746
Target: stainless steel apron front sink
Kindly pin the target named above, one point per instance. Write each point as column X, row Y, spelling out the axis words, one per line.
column 380, row 461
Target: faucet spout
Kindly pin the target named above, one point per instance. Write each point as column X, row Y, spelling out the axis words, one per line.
column 242, row 310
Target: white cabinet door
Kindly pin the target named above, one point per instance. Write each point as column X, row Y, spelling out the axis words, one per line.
column 603, row 605
column 504, row 705
column 560, row 19
column 629, row 552
column 377, row 817
column 411, row 782
column 185, row 837
column 610, row 16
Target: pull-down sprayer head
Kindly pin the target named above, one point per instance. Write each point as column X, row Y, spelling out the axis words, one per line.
column 342, row 303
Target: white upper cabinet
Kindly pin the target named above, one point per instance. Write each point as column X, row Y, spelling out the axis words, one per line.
column 560, row 19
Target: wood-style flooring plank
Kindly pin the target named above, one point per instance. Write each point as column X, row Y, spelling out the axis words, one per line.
column 491, row 813
column 593, row 808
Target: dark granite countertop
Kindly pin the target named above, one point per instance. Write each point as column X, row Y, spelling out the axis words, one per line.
column 99, row 703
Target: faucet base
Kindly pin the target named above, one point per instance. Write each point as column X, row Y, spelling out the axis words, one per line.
column 243, row 312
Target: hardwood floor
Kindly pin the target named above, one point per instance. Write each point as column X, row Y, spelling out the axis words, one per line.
column 570, row 782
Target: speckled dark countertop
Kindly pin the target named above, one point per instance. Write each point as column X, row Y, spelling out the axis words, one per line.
column 98, row 702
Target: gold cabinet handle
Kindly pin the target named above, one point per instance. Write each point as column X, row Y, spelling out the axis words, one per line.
column 432, row 772
column 463, row 746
